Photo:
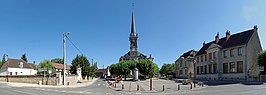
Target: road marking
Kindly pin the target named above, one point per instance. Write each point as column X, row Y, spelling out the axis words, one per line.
column 24, row 92
column 108, row 93
column 99, row 84
column 138, row 93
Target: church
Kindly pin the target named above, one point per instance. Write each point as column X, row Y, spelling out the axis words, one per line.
column 133, row 54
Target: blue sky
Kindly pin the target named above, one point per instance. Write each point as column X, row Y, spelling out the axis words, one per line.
column 100, row 28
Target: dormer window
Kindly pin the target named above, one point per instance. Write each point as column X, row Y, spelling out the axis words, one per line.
column 20, row 64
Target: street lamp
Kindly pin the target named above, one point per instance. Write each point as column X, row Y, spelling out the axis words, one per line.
column 151, row 59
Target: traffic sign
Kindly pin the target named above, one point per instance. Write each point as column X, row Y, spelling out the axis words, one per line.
column 260, row 68
column 42, row 69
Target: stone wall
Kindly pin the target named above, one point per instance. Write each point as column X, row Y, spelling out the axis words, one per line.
column 33, row 79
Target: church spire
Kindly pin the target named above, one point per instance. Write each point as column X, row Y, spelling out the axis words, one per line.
column 133, row 28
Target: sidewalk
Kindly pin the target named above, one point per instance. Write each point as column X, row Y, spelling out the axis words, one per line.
column 83, row 84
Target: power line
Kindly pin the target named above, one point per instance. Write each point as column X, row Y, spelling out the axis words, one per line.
column 74, row 45
column 77, row 48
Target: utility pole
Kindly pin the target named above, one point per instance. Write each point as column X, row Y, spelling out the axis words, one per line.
column 64, row 57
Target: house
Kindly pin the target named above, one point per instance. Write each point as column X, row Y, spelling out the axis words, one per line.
column 17, row 67
column 185, row 65
column 233, row 57
column 101, row 72
column 60, row 67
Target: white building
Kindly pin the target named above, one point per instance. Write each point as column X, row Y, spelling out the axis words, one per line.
column 17, row 67
column 233, row 57
column 185, row 65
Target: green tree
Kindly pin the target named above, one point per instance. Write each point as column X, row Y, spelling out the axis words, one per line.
column 57, row 60
column 92, row 69
column 124, row 67
column 46, row 64
column 3, row 61
column 24, row 57
column 262, row 60
column 167, row 68
column 82, row 61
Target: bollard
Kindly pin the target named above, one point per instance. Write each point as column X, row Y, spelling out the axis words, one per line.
column 194, row 84
column 163, row 87
column 115, row 84
column 122, row 86
column 202, row 84
column 137, row 87
column 190, row 86
column 178, row 87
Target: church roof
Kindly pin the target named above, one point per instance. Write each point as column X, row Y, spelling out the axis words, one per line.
column 133, row 28
column 127, row 56
column 234, row 40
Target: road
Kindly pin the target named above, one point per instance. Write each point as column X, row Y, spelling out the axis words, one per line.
column 100, row 87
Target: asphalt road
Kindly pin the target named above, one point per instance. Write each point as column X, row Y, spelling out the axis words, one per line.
column 100, row 87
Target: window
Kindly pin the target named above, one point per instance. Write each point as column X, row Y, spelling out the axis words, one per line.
column 181, row 63
column 201, row 58
column 232, row 67
column 214, row 68
column 239, row 51
column 201, row 69
column 225, row 67
column 10, row 73
column 185, row 71
column 231, row 52
column 205, row 69
column 197, row 70
column 210, row 68
column 16, row 73
column 225, row 53
column 210, row 56
column 214, row 55
column 205, row 57
column 240, row 66
column 197, row 59
column 180, row 72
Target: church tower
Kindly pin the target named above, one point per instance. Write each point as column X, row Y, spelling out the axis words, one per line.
column 133, row 54
column 133, row 38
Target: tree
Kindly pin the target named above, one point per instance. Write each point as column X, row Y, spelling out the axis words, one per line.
column 3, row 61
column 262, row 60
column 57, row 60
column 124, row 67
column 92, row 69
column 82, row 61
column 167, row 68
column 46, row 64
column 24, row 57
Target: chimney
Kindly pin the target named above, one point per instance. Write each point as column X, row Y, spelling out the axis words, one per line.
column 227, row 35
column 203, row 43
column 217, row 38
column 255, row 27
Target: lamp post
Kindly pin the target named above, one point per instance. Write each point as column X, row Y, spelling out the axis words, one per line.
column 151, row 59
column 64, row 57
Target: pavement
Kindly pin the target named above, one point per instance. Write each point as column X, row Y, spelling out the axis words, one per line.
column 159, row 86
column 101, row 87
column 83, row 84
